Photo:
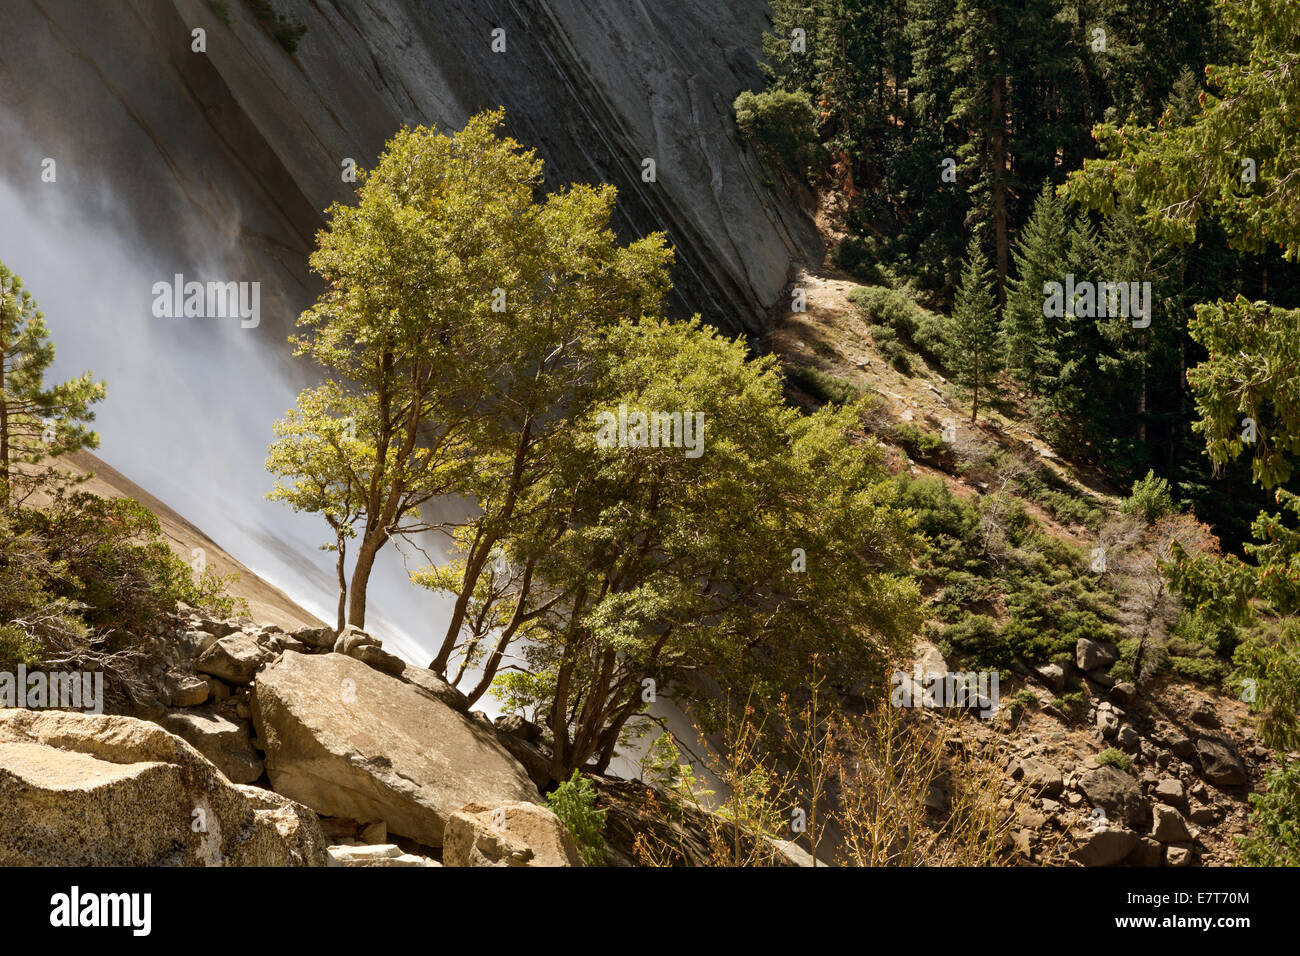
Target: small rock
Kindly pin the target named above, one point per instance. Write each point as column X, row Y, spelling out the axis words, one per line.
column 189, row 691
column 1106, row 847
column 1170, row 791
column 1169, row 826
column 1178, row 855
column 316, row 638
column 375, row 833
column 379, row 855
column 1092, row 655
column 1123, row 693
column 1128, row 739
column 1219, row 764
column 234, row 659
column 517, row 726
column 1204, row 714
column 353, row 637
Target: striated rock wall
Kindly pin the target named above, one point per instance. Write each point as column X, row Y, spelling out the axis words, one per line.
column 234, row 152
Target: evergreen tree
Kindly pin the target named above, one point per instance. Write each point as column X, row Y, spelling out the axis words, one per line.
column 1039, row 258
column 37, row 422
column 974, row 355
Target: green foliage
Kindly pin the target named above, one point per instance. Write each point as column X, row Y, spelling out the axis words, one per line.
column 1276, row 838
column 37, row 422
column 892, row 311
column 1150, row 499
column 823, row 386
column 785, row 123
column 973, row 352
column 1179, row 172
column 109, row 557
column 574, row 802
column 920, row 444
column 1113, row 757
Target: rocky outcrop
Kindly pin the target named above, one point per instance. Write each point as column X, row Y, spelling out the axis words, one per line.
column 101, row 790
column 513, row 834
column 349, row 741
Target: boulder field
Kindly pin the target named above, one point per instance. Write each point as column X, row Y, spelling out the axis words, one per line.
column 261, row 747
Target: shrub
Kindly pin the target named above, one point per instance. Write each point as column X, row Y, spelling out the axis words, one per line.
column 1112, row 757
column 574, row 802
column 1276, row 838
column 1150, row 499
column 884, row 308
column 920, row 445
column 824, row 387
column 785, row 124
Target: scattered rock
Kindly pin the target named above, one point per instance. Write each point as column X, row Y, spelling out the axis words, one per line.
column 1053, row 676
column 1203, row 713
column 375, row 833
column 517, row 726
column 317, row 638
column 379, row 659
column 1128, row 739
column 1170, row 791
column 189, row 691
column 352, row 637
column 1180, row 744
column 1123, row 693
column 1169, row 826
column 1219, row 764
column 384, row 854
column 1178, row 855
column 1039, row 776
column 1092, row 655
column 1118, row 794
column 1105, row 847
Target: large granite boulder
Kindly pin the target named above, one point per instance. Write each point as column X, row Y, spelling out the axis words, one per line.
column 99, row 790
column 349, row 741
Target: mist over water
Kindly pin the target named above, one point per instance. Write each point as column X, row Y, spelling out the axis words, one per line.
column 191, row 401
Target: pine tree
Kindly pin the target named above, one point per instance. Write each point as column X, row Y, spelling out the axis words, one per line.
column 974, row 355
column 36, row 422
column 1039, row 258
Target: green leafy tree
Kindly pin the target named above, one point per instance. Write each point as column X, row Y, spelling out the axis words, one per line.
column 453, row 320
column 37, row 421
column 779, row 539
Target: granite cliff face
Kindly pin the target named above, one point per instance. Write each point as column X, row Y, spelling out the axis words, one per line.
column 128, row 158
column 236, row 150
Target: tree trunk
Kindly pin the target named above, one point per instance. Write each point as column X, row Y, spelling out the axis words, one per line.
column 343, row 585
column 370, row 546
